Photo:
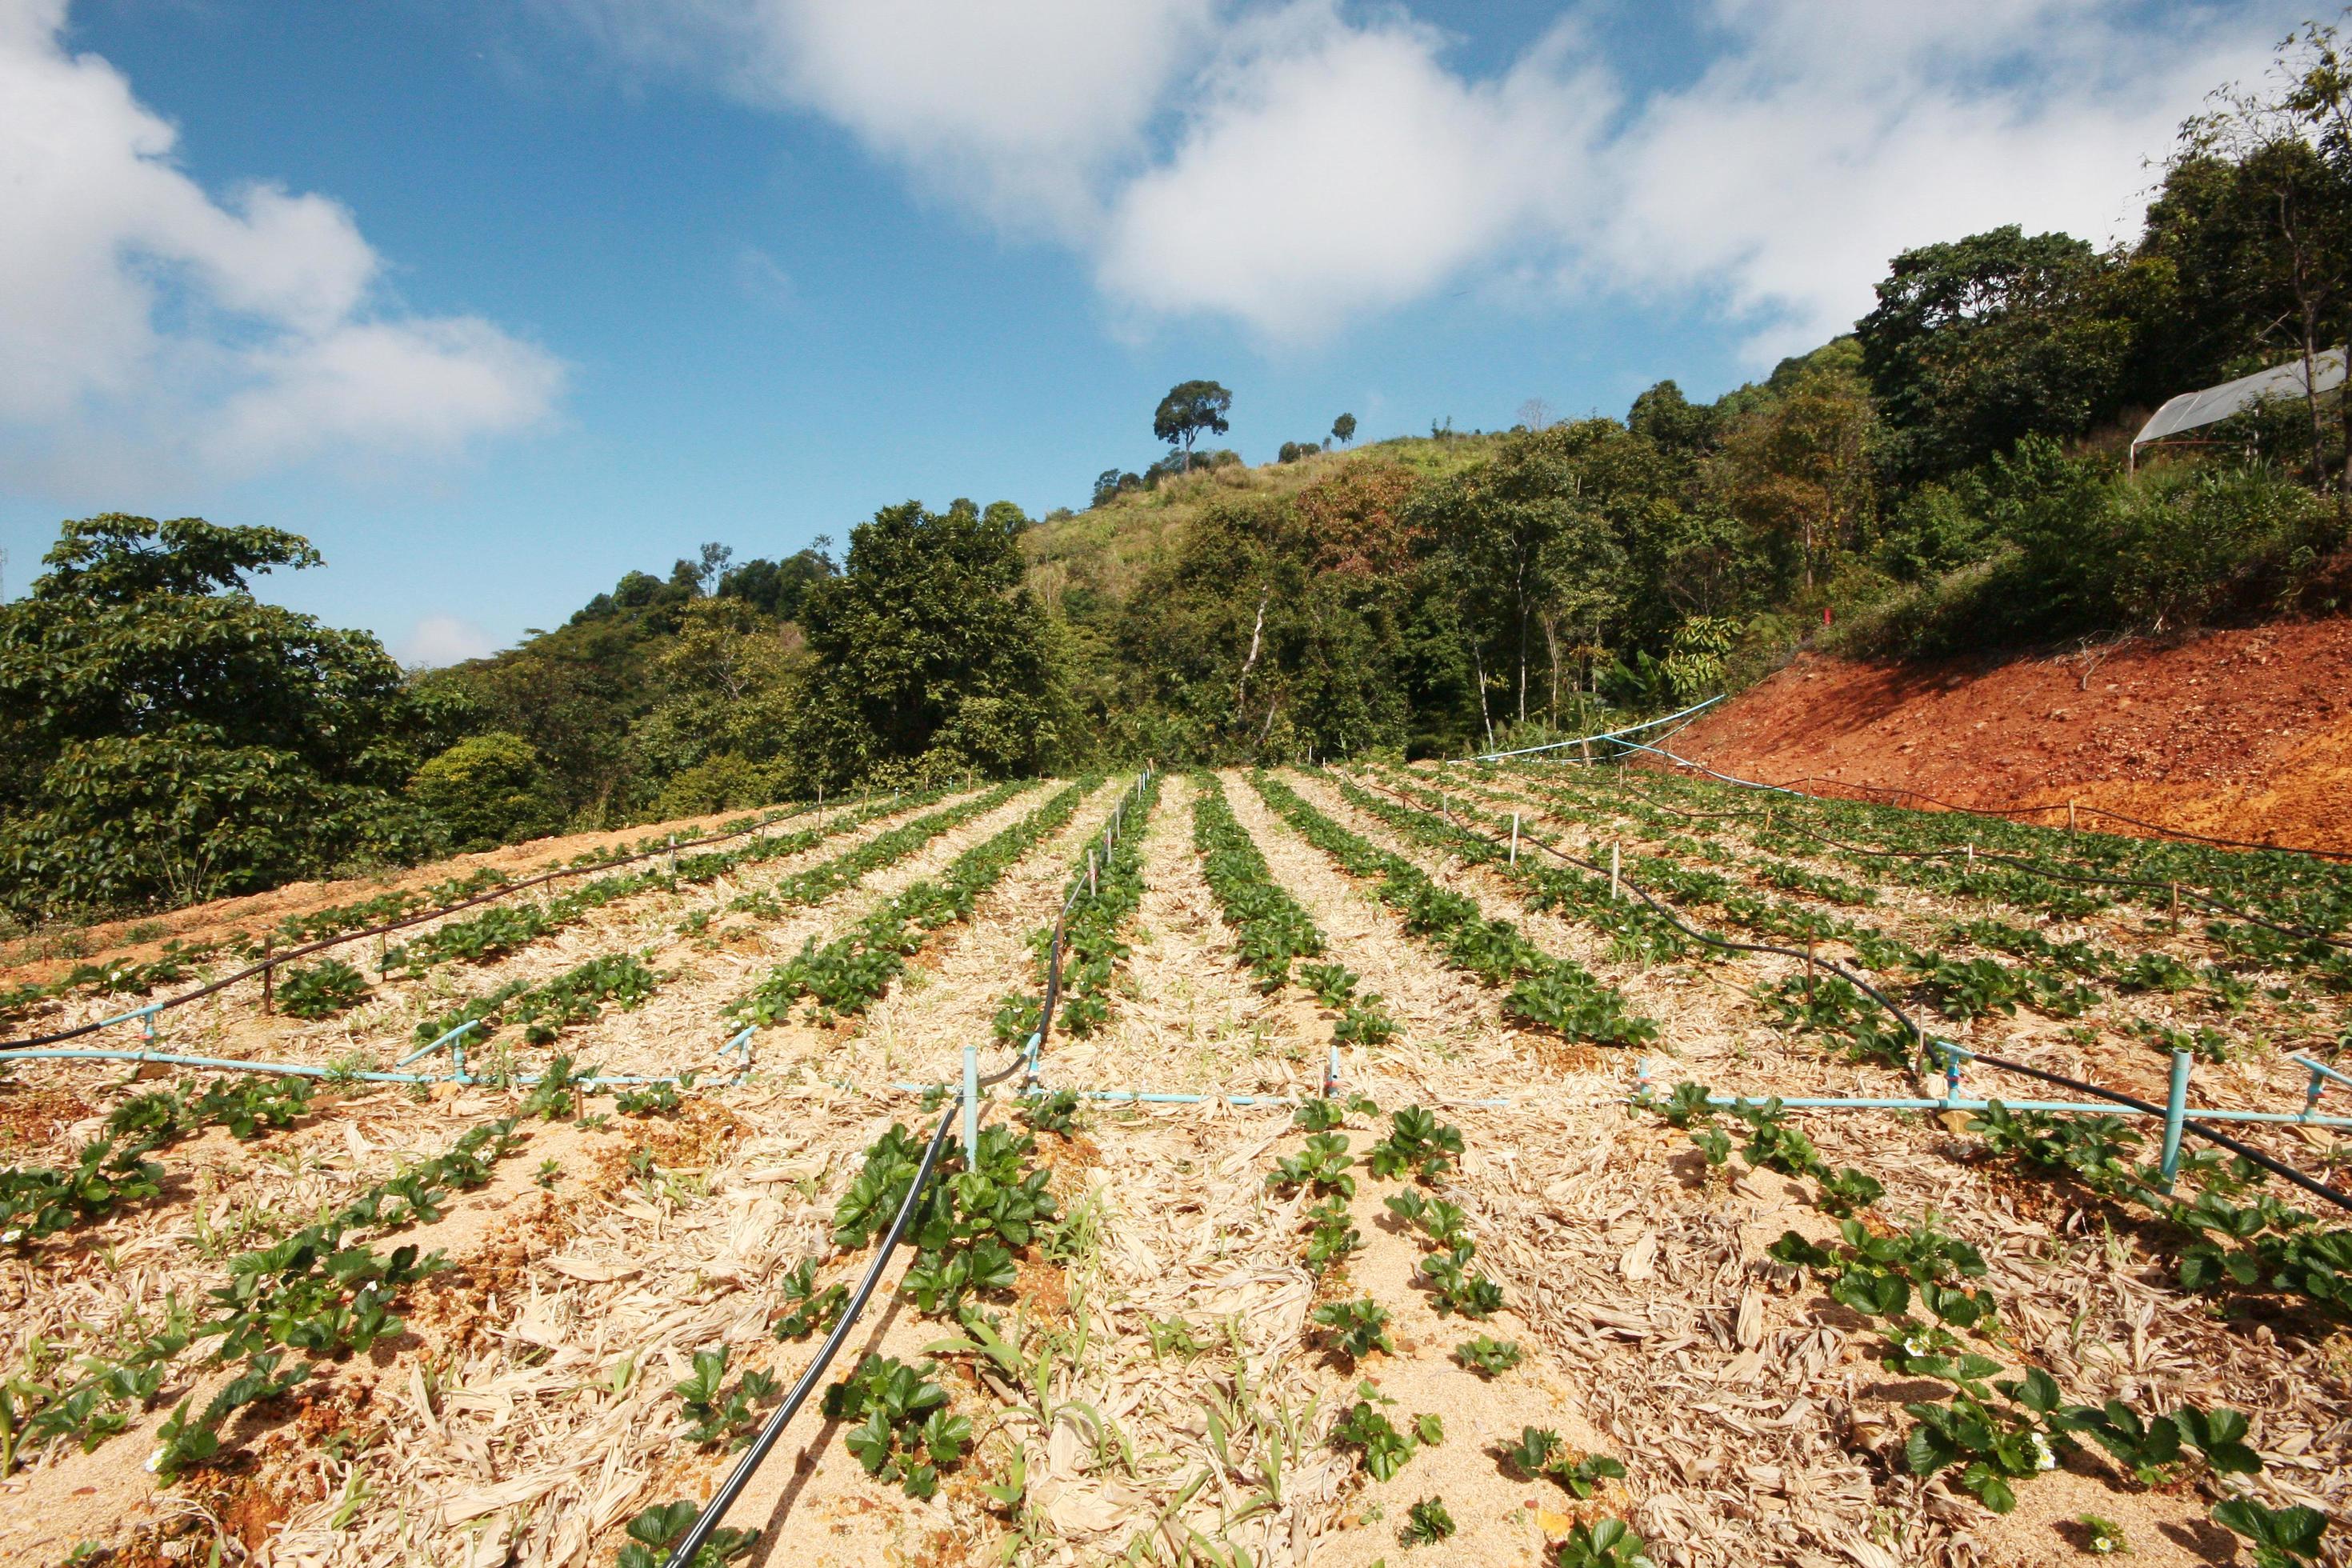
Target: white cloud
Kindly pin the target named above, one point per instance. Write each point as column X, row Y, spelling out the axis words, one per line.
column 1332, row 169
column 437, row 640
column 1829, row 136
column 1293, row 164
column 1013, row 107
column 144, row 321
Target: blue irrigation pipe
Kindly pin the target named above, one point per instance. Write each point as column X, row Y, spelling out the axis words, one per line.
column 218, row 1064
column 1605, row 735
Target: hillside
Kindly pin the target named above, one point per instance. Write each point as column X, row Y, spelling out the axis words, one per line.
column 2241, row 734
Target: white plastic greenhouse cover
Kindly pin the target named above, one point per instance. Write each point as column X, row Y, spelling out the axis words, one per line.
column 2191, row 409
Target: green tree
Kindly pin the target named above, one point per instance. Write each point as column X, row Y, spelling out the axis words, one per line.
column 1190, row 408
column 929, row 648
column 1800, row 466
column 1343, row 429
column 1976, row 341
column 488, row 790
column 165, row 735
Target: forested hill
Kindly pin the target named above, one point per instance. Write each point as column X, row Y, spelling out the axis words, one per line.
column 1951, row 475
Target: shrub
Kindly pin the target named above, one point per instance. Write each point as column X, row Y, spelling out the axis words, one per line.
column 488, row 790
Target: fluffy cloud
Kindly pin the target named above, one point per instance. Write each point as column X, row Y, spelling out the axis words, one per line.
column 1291, row 165
column 438, row 640
column 143, row 319
column 1329, row 169
column 1829, row 134
column 1015, row 108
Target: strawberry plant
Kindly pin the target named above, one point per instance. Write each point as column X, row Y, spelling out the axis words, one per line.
column 717, row 1411
column 1055, row 1111
column 812, row 1309
column 654, row 1098
column 1323, row 1113
column 245, row 1107
column 1356, row 1329
column 1426, row 1524
column 2282, row 1537
column 321, row 990
column 189, row 1442
column 904, row 1432
column 1321, row 1165
column 1418, row 1143
column 557, row 1093
column 652, row 1533
column 1489, row 1358
column 1092, row 946
column 1329, row 1236
column 1540, row 1452
column 1604, row 1544
column 1363, row 1426
column 1457, row 1288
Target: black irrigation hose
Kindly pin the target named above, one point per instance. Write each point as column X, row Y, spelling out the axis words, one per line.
column 773, row 1432
column 292, row 953
column 704, row 1522
column 2275, row 1167
column 2219, row 906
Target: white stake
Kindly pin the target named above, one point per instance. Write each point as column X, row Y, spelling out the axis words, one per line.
column 1614, row 878
column 1515, row 838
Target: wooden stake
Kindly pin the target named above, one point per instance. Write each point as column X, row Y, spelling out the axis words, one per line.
column 2070, row 816
column 268, row 979
column 1809, row 972
column 2176, row 906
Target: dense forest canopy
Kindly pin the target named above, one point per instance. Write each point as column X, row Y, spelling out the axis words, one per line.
column 1953, row 474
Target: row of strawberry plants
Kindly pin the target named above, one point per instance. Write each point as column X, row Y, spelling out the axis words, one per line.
column 544, row 1009
column 112, row 1172
column 1092, row 940
column 1418, row 1151
column 502, row 928
column 1636, row 931
column 1556, row 993
column 2292, row 889
column 1270, row 928
column 578, row 995
column 177, row 962
column 851, row 973
column 1914, row 1284
column 318, row 1292
column 1957, row 987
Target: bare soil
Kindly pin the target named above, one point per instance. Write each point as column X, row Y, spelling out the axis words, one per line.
column 2242, row 733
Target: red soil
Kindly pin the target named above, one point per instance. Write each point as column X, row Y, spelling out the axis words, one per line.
column 2243, row 734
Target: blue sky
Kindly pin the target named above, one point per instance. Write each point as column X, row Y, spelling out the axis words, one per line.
column 497, row 301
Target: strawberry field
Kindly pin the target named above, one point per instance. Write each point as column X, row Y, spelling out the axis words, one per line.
column 1387, row 1165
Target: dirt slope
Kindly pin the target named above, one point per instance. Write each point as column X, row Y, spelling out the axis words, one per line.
column 2240, row 734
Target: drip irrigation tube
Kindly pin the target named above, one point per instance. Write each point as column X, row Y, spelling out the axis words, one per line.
column 683, row 1554
column 690, row 1545
column 2219, row 906
column 2277, row 1168
column 500, row 891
